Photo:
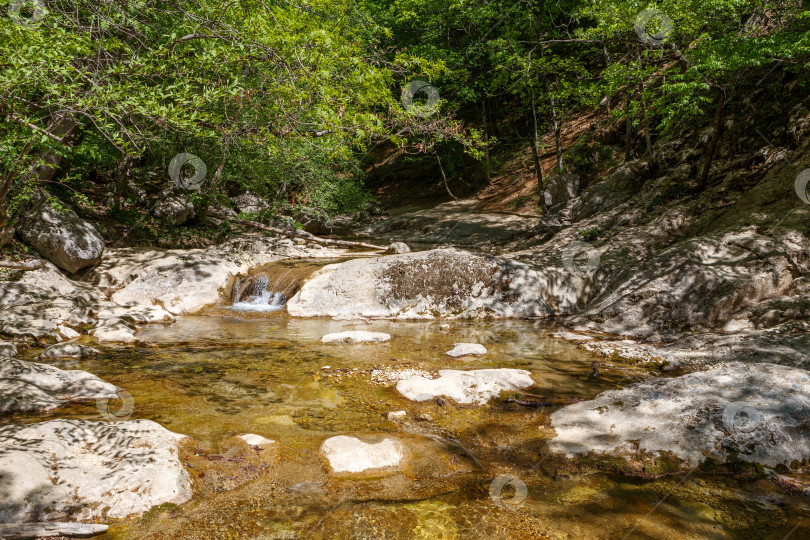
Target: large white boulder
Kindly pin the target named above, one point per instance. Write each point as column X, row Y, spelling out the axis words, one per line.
column 61, row 236
column 476, row 386
column 754, row 412
column 351, row 455
column 427, row 284
column 29, row 386
column 80, row 470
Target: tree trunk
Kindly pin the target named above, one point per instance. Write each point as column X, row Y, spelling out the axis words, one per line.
column 535, row 143
column 717, row 126
column 628, row 131
column 444, row 177
column 486, row 140
column 647, row 135
column 64, row 127
column 556, row 123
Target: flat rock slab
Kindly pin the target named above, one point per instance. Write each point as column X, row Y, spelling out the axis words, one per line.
column 29, row 386
column 756, row 412
column 69, row 350
column 467, row 349
column 81, row 470
column 356, row 337
column 351, row 455
column 49, row 529
column 465, row 387
column 256, row 440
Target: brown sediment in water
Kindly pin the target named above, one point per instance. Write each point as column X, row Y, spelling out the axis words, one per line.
column 212, row 377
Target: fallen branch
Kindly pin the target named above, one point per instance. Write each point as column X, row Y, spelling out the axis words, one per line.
column 295, row 234
column 33, row 264
column 49, row 529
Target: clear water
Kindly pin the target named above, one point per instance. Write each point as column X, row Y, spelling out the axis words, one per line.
column 214, row 376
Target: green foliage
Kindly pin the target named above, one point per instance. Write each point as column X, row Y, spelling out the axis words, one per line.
column 590, row 234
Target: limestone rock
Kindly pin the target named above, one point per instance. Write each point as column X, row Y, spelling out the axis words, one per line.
column 174, row 209
column 398, row 248
column 467, row 349
column 465, row 387
column 358, row 336
column 61, row 236
column 754, row 412
column 30, row 386
column 81, row 470
column 68, row 350
column 351, row 455
column 7, row 350
column 256, row 440
column 426, row 284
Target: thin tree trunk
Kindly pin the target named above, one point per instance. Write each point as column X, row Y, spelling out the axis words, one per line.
column 486, row 140
column 444, row 177
column 717, row 125
column 628, row 130
column 536, row 156
column 647, row 135
column 557, row 125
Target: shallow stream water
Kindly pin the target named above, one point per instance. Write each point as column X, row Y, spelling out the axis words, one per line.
column 225, row 373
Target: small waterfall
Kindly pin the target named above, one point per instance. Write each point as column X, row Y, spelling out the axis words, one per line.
column 269, row 287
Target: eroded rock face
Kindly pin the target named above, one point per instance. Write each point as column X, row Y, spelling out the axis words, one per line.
column 78, row 470
column 351, row 455
column 751, row 412
column 466, row 387
column 7, row 350
column 30, row 387
column 356, row 337
column 427, row 284
column 62, row 237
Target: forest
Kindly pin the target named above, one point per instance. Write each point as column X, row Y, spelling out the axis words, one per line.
column 387, row 269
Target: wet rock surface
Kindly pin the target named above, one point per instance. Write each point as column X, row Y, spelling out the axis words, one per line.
column 465, row 387
column 358, row 336
column 79, row 470
column 68, row 350
column 750, row 412
column 467, row 349
column 352, row 455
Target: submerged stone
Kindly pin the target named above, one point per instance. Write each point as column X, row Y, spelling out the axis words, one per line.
column 351, row 455
column 465, row 387
column 467, row 349
column 356, row 337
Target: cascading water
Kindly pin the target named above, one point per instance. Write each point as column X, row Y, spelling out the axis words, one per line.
column 268, row 288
